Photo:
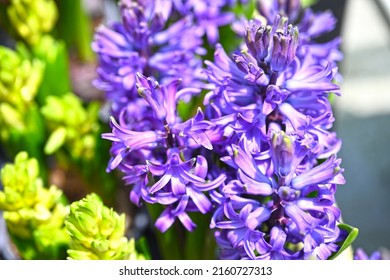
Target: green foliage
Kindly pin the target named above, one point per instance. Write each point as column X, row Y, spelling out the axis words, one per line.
column 97, row 232
column 56, row 78
column 246, row 9
column 352, row 233
column 308, row 3
column 75, row 28
column 34, row 215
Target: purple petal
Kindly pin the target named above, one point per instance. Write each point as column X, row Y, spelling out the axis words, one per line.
column 327, row 172
column 186, row 221
column 201, row 201
column 165, row 220
column 162, row 182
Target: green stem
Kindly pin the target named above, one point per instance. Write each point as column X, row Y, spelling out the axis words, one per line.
column 200, row 243
column 75, row 28
column 169, row 241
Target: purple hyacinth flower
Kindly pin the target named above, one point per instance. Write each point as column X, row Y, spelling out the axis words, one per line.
column 287, row 153
column 257, row 39
column 301, row 203
column 150, row 90
column 314, row 130
column 274, row 97
column 360, row 254
column 169, row 215
column 125, row 141
column 196, row 129
column 285, row 43
column 180, row 186
column 252, row 156
column 327, row 172
column 308, row 74
column 287, row 8
column 209, row 15
column 146, row 42
column 176, row 173
column 239, row 223
column 272, row 250
column 255, row 182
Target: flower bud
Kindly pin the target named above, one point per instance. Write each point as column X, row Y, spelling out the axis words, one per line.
column 34, row 215
column 285, row 42
column 283, row 148
column 257, row 39
column 73, row 125
column 97, row 232
column 32, row 18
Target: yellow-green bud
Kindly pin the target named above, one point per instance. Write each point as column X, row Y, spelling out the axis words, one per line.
column 20, row 79
column 97, row 232
column 73, row 126
column 32, row 18
column 34, row 215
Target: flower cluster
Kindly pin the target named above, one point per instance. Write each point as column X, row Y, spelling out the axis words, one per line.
column 97, row 232
column 34, row 214
column 360, row 254
column 19, row 83
column 71, row 125
column 32, row 18
column 145, row 42
column 275, row 114
column 260, row 155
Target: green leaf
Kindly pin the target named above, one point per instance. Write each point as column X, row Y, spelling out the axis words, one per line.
column 352, row 234
column 55, row 141
column 308, row 3
column 75, row 28
column 245, row 9
column 56, row 80
column 143, row 248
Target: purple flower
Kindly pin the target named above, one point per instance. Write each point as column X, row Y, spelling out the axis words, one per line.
column 274, row 97
column 279, row 145
column 287, row 153
column 285, row 43
column 153, row 161
column 180, row 187
column 257, row 39
column 287, row 8
column 261, row 155
column 251, row 83
column 239, row 223
column 253, row 180
column 144, row 42
column 150, row 90
column 209, row 15
column 299, row 198
column 360, row 254
column 272, row 250
column 125, row 141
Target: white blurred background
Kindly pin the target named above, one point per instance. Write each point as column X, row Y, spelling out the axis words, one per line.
column 363, row 122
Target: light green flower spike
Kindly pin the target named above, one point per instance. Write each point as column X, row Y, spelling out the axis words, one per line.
column 71, row 124
column 19, row 77
column 19, row 82
column 32, row 18
column 97, row 232
column 34, row 215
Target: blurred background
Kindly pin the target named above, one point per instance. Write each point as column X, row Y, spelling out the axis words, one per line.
column 363, row 121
